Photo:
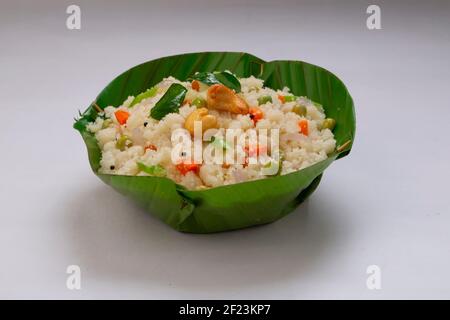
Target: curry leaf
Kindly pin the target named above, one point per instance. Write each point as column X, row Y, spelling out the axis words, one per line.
column 170, row 102
column 224, row 77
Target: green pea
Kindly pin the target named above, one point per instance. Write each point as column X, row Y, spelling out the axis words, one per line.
column 264, row 99
column 199, row 102
column 123, row 142
column 289, row 98
column 299, row 109
column 328, row 123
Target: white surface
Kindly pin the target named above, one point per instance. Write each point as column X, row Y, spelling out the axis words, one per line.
column 386, row 204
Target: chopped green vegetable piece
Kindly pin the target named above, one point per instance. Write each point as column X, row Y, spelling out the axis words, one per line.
column 156, row 170
column 328, row 123
column 264, row 99
column 170, row 102
column 123, row 142
column 299, row 109
column 268, row 164
column 199, row 102
column 220, row 143
column 289, row 98
column 144, row 95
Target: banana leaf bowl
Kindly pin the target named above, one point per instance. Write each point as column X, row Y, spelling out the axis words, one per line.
column 233, row 206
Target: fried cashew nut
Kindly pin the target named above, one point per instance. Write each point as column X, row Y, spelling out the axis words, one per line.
column 222, row 98
column 208, row 120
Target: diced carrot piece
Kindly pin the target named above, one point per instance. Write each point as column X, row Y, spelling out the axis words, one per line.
column 256, row 114
column 245, row 164
column 281, row 98
column 151, row 147
column 261, row 149
column 184, row 168
column 303, row 125
column 121, row 116
column 195, row 85
column 255, row 150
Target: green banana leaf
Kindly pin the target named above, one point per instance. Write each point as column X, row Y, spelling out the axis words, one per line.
column 234, row 206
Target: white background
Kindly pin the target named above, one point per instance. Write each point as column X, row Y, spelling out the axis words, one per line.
column 387, row 203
